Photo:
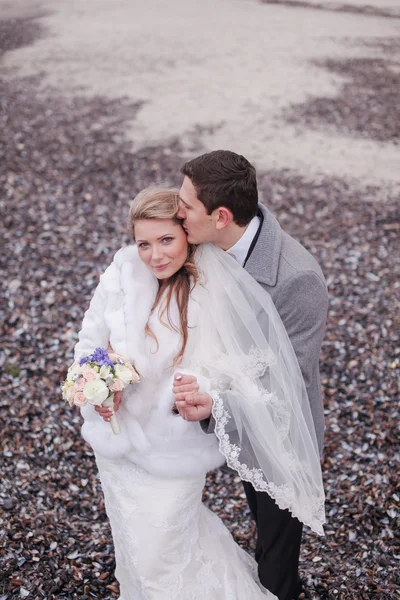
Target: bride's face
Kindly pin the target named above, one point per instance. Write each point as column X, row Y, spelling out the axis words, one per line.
column 162, row 245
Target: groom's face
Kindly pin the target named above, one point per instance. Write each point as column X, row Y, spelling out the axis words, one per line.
column 199, row 226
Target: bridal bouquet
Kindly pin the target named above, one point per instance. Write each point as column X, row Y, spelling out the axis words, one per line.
column 94, row 379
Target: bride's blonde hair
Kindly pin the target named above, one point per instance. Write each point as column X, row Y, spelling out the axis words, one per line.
column 163, row 203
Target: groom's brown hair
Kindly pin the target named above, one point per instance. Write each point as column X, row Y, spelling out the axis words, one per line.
column 224, row 178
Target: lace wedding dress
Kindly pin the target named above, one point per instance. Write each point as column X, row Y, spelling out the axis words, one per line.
column 168, row 545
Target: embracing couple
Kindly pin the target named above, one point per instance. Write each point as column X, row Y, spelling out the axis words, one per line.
column 223, row 314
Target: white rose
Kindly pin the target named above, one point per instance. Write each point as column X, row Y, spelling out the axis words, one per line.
column 96, row 391
column 123, row 373
column 104, row 372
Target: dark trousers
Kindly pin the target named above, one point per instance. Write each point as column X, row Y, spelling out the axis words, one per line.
column 278, row 544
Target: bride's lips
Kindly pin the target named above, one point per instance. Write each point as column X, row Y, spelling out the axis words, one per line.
column 160, row 267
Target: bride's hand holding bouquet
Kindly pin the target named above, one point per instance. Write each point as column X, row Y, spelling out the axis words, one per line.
column 95, row 379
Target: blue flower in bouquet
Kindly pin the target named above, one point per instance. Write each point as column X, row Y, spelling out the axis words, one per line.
column 100, row 357
column 83, row 360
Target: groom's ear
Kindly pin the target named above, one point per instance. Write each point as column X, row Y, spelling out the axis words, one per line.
column 223, row 216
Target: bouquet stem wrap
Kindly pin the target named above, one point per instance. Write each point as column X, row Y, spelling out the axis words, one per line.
column 109, row 403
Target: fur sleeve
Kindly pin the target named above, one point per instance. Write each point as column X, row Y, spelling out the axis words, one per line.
column 94, row 331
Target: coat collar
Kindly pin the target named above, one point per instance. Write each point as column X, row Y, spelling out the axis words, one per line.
column 263, row 262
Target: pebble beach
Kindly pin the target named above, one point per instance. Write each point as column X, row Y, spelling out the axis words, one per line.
column 100, row 99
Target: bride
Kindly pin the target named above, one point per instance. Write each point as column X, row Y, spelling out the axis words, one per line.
column 169, row 306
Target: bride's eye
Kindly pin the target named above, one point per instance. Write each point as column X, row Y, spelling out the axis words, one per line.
column 167, row 240
column 143, row 245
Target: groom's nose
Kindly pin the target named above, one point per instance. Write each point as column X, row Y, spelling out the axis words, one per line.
column 181, row 214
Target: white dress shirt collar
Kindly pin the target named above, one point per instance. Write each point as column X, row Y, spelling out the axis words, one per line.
column 241, row 249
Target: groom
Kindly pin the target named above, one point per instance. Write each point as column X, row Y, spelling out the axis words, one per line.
column 219, row 204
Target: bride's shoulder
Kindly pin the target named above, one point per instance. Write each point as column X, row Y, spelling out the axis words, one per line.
column 126, row 254
column 125, row 258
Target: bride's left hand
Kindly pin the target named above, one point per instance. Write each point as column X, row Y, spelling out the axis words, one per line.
column 192, row 405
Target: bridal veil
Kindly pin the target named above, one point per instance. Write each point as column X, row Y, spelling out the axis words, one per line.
column 262, row 415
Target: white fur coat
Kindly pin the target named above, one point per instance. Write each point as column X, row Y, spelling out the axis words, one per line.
column 152, row 436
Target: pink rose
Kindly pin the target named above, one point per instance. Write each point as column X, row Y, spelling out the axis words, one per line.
column 88, row 373
column 79, row 384
column 117, row 386
column 80, row 399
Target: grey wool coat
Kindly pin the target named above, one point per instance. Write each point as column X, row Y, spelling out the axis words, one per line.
column 293, row 278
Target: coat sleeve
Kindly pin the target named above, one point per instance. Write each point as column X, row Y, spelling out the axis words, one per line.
column 303, row 305
column 94, row 332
